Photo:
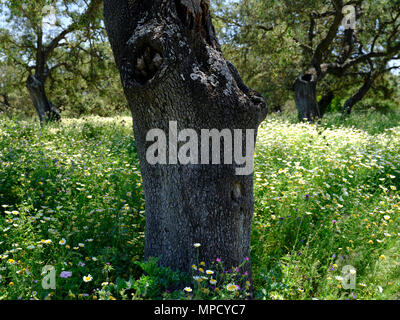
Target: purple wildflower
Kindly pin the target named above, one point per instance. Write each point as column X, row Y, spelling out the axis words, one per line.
column 66, row 274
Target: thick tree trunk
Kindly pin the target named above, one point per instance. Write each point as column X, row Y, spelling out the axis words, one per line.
column 47, row 112
column 172, row 69
column 306, row 98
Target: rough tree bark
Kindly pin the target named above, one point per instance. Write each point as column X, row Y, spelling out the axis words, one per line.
column 45, row 109
column 172, row 69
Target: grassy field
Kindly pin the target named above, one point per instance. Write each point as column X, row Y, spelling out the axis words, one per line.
column 326, row 196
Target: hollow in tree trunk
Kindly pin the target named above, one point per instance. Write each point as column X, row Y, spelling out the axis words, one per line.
column 172, row 69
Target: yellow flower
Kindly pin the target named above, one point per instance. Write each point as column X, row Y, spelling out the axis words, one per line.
column 382, row 257
column 232, row 287
column 11, row 284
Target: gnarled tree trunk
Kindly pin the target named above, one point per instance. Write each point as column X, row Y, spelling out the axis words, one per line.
column 45, row 109
column 172, row 69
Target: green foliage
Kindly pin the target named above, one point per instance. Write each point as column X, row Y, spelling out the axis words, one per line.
column 336, row 105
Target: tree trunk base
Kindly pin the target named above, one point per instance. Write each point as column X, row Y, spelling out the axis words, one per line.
column 47, row 112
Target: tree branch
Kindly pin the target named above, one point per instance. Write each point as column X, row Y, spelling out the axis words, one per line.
column 88, row 15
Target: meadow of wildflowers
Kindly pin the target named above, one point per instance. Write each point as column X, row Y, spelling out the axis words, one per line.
column 326, row 196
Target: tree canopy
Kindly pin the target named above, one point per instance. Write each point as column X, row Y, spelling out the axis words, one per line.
column 273, row 42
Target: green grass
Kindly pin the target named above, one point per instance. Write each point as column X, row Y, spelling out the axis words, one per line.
column 326, row 196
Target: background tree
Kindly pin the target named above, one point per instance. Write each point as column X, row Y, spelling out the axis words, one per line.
column 313, row 44
column 27, row 42
column 172, row 69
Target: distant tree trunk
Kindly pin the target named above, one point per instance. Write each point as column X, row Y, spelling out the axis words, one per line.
column 6, row 101
column 325, row 102
column 305, row 96
column 277, row 108
column 172, row 69
column 45, row 109
column 359, row 95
